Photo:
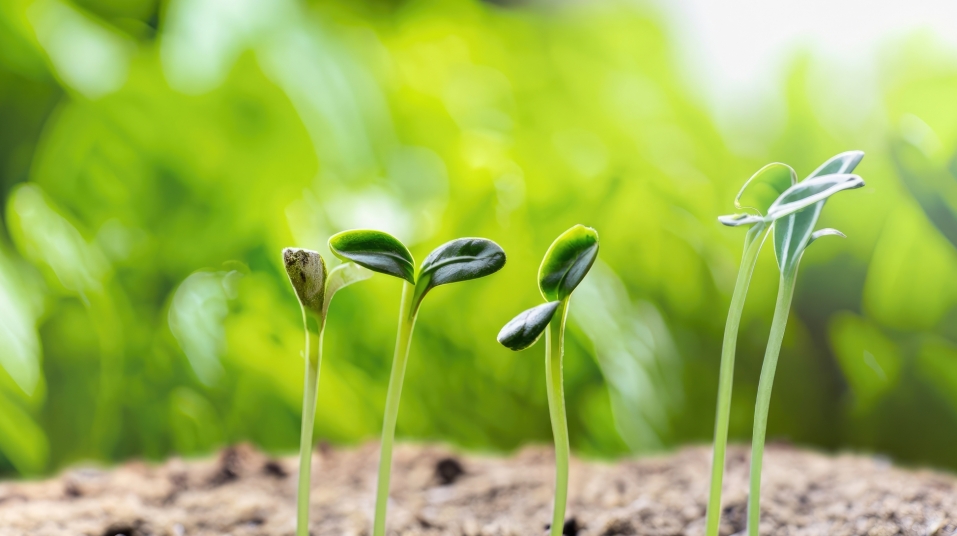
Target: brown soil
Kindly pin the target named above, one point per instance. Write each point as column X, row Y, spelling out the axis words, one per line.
column 438, row 492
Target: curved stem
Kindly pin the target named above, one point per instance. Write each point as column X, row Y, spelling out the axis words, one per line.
column 722, row 418
column 309, row 394
column 407, row 314
column 763, row 402
column 554, row 348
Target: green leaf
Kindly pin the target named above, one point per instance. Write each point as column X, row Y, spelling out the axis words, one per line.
column 765, row 186
column 795, row 213
column 567, row 261
column 824, row 232
column 342, row 276
column 526, row 328
column 375, row 250
column 307, row 273
column 459, row 260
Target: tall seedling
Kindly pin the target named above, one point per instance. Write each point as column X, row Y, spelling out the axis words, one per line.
column 794, row 215
column 314, row 288
column 458, row 260
column 566, row 263
column 756, row 196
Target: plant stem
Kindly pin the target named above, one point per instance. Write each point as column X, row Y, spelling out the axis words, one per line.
column 407, row 314
column 310, row 392
column 554, row 348
column 722, row 418
column 778, row 324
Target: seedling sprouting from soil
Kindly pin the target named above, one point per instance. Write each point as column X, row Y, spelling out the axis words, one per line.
column 757, row 195
column 566, row 263
column 793, row 217
column 315, row 288
column 458, row 260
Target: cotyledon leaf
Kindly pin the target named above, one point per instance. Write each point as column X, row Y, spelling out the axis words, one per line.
column 375, row 250
column 526, row 328
column 824, row 232
column 759, row 193
column 459, row 260
column 307, row 273
column 796, row 212
column 342, row 276
column 567, row 261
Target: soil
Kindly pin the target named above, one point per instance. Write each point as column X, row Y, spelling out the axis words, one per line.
column 436, row 491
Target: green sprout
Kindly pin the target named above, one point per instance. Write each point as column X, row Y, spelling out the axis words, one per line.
column 566, row 263
column 757, row 195
column 314, row 288
column 793, row 216
column 459, row 260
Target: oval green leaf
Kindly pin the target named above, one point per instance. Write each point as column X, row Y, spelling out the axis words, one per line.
column 567, row 261
column 342, row 276
column 526, row 328
column 375, row 250
column 460, row 260
column 307, row 273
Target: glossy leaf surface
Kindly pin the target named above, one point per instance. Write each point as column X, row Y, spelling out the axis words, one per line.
column 342, row 276
column 460, row 260
column 526, row 328
column 567, row 261
column 307, row 273
column 375, row 250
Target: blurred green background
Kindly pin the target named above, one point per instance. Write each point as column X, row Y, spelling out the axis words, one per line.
column 155, row 156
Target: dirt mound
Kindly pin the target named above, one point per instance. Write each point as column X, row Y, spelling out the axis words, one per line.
column 436, row 491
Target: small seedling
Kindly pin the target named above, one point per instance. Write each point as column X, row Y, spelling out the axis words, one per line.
column 314, row 288
column 566, row 263
column 793, row 215
column 757, row 195
column 458, row 260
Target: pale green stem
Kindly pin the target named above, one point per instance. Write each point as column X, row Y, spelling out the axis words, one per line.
column 726, row 376
column 554, row 348
column 763, row 402
column 407, row 314
column 309, row 394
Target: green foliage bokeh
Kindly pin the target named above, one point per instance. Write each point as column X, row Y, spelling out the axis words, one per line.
column 155, row 157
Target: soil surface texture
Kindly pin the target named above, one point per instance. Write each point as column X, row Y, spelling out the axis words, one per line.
column 436, row 491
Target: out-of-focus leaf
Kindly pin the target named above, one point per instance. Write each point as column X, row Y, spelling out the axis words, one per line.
column 19, row 342
column 375, row 250
column 870, row 361
column 567, row 261
column 22, row 440
column 525, row 329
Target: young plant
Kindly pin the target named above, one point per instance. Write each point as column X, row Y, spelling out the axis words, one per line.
column 793, row 215
column 566, row 263
column 314, row 288
column 757, row 195
column 458, row 260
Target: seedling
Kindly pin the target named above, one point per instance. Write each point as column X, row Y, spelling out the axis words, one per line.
column 566, row 263
column 757, row 195
column 458, row 260
column 793, row 217
column 314, row 288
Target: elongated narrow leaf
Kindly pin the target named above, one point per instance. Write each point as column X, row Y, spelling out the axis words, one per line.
column 824, row 232
column 765, row 186
column 839, row 164
column 307, row 273
column 342, row 276
column 567, row 261
column 460, row 260
column 812, row 190
column 526, row 328
column 737, row 220
column 375, row 250
column 796, row 212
